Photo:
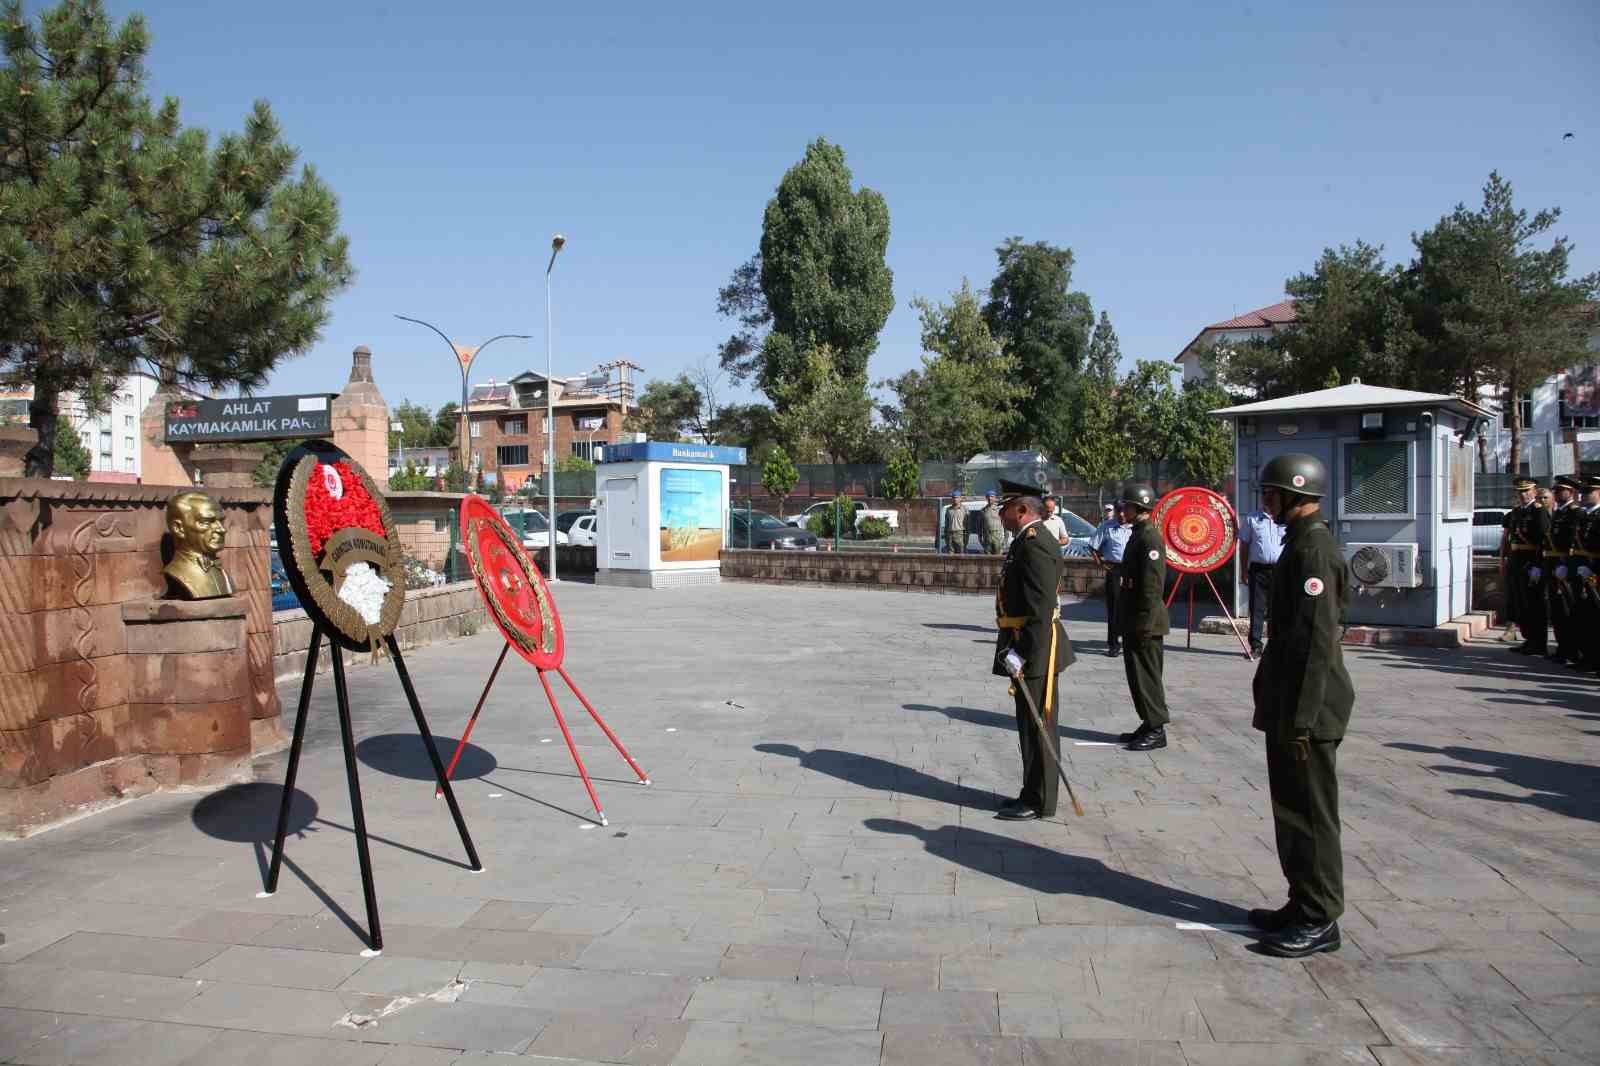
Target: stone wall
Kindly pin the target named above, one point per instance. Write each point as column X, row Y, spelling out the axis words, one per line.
column 918, row 571
column 72, row 554
column 425, row 521
column 429, row 616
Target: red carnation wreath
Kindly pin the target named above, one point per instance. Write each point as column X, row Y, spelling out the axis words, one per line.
column 337, row 498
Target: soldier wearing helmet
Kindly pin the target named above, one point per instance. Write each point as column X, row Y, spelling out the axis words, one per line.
column 1522, row 566
column 1565, row 522
column 1142, row 618
column 1303, row 699
column 1585, row 563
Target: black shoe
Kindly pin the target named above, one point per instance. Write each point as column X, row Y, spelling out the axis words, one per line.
column 1299, row 939
column 1272, row 921
column 1113, row 650
column 1256, row 649
column 1153, row 739
column 1555, row 657
column 1137, row 734
column 1018, row 814
column 1012, row 804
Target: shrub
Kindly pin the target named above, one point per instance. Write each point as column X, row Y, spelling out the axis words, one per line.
column 873, row 528
column 822, row 522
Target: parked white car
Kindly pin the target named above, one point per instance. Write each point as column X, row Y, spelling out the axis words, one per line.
column 1486, row 525
column 582, row 531
column 534, row 529
column 862, row 512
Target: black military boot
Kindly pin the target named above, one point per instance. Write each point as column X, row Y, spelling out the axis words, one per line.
column 1137, row 734
column 1301, row 938
column 1153, row 739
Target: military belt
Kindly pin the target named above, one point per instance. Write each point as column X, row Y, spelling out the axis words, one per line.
column 1017, row 621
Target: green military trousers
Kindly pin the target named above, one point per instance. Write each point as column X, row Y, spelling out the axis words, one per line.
column 1305, row 815
column 1040, row 782
column 1142, row 659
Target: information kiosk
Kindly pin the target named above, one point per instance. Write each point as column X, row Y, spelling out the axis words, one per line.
column 662, row 513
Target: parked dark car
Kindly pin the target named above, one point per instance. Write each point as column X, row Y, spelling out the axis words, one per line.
column 283, row 597
column 757, row 529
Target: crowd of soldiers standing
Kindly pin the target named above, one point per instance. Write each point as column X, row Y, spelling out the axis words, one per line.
column 1549, row 558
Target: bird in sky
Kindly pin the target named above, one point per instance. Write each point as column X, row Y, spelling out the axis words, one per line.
column 1566, row 136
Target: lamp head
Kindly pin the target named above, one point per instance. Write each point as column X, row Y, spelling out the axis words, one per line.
column 557, row 243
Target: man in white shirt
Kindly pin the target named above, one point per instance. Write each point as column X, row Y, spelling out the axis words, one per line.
column 1052, row 521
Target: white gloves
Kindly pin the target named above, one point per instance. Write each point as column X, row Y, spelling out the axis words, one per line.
column 1561, row 571
column 1585, row 573
column 1534, row 574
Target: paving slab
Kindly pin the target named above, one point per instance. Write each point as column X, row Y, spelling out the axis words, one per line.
column 816, row 874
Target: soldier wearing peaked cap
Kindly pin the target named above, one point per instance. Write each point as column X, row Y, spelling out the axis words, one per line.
column 1559, row 591
column 1585, row 564
column 1028, row 616
column 1303, row 699
column 1527, row 527
column 1142, row 618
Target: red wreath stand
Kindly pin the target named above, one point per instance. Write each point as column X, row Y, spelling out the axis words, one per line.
column 519, row 602
column 1201, row 533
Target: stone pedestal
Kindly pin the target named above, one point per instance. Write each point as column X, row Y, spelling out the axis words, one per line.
column 361, row 419
column 14, row 444
column 226, row 466
column 189, row 692
column 161, row 463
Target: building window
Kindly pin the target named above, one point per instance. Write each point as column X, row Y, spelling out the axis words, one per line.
column 127, row 421
column 514, row 427
column 584, row 449
column 1526, row 406
column 1377, row 479
column 127, row 463
column 477, row 429
column 511, row 455
column 127, row 444
column 1572, row 421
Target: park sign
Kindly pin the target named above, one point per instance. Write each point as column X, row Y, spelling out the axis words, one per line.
column 249, row 418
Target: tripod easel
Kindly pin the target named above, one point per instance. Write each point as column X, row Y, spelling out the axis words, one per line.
column 347, row 738
column 560, row 721
column 1233, row 626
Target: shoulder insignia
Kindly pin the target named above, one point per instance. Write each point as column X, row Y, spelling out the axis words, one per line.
column 1313, row 586
column 1154, row 555
column 1032, row 531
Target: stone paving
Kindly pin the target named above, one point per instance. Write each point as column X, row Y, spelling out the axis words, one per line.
column 816, row 876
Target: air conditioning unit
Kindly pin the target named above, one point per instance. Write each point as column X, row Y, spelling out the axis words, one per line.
column 1383, row 566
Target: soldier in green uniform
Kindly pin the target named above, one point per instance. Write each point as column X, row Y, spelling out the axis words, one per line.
column 1303, row 699
column 994, row 526
column 1559, row 591
column 1142, row 618
column 1527, row 528
column 1028, row 616
column 955, row 526
column 1585, row 571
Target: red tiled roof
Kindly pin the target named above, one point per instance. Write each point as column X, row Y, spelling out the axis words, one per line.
column 1277, row 314
column 1281, row 313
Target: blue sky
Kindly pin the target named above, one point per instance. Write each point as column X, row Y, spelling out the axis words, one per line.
column 1191, row 155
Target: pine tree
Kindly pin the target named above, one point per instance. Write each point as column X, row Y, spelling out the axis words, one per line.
column 126, row 238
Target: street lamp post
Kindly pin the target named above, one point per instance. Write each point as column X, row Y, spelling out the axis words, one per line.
column 556, row 244
column 465, row 356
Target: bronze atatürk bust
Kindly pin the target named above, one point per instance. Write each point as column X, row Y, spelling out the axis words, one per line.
column 195, row 522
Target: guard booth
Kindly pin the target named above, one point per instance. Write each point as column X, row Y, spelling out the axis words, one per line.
column 1400, row 471
column 662, row 513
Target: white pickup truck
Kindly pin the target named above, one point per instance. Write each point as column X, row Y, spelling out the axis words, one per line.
column 862, row 512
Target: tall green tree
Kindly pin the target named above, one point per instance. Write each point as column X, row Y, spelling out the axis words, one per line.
column 416, row 425
column 964, row 398
column 669, row 411
column 446, row 426
column 71, row 456
column 903, row 479
column 742, row 300
column 823, row 410
column 1096, row 445
column 778, row 475
column 1493, row 308
column 1203, row 444
column 1042, row 323
column 823, row 278
column 745, row 425
column 127, row 238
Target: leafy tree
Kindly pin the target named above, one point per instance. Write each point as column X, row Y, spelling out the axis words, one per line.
column 742, row 300
column 903, row 479
column 455, row 477
column 1095, row 444
column 126, row 238
column 823, row 410
column 822, row 274
column 746, row 425
column 1204, row 444
column 778, row 475
column 410, row 479
column 964, row 398
column 668, row 411
column 573, row 464
column 446, row 426
column 836, row 521
column 416, row 425
column 1044, row 325
column 265, row 474
column 1491, row 309
column 71, row 456
column 1146, row 407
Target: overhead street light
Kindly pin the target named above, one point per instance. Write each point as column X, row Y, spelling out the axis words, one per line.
column 556, row 244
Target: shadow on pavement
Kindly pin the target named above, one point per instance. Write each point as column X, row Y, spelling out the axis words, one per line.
column 870, row 772
column 998, row 720
column 962, row 626
column 1051, row 872
column 248, row 814
column 1571, row 789
column 402, row 755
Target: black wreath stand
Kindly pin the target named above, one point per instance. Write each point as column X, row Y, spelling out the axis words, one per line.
column 347, row 738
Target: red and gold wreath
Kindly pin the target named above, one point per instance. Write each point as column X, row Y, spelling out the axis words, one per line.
column 514, row 591
column 1198, row 527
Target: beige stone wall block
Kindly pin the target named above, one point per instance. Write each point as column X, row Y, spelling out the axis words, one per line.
column 200, row 678
column 263, row 682
column 188, row 728
column 181, row 638
column 79, row 633
column 82, row 739
column 16, row 583
column 268, row 735
column 17, row 642
column 21, row 756
column 220, row 768
column 76, row 687
column 18, row 706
